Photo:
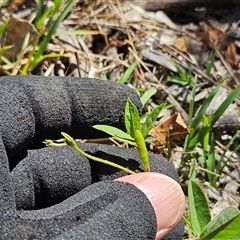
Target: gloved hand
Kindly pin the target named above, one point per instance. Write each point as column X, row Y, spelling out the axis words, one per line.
column 54, row 193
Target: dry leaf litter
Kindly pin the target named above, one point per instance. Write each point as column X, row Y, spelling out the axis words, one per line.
column 123, row 32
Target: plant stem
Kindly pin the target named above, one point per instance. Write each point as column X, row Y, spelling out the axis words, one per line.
column 71, row 142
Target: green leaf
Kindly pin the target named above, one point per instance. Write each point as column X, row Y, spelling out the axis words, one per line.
column 4, row 48
column 222, row 162
column 224, row 226
column 192, row 172
column 199, row 115
column 127, row 73
column 51, row 55
column 113, row 131
column 3, row 27
column 42, row 16
column 211, row 162
column 199, row 213
column 150, row 140
column 210, row 64
column 221, row 109
column 77, row 32
column 151, row 117
column 142, row 150
column 192, row 104
column 131, row 118
column 177, row 80
column 198, row 138
column 205, row 139
column 147, row 95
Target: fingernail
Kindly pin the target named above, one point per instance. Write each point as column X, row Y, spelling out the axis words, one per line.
column 166, row 196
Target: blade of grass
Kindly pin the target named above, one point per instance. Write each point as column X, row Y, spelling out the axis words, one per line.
column 52, row 55
column 3, row 27
column 39, row 10
column 21, row 54
column 49, row 35
column 202, row 110
column 40, row 21
column 211, row 162
column 221, row 163
column 222, row 108
column 127, row 73
column 147, row 95
column 77, row 32
column 55, row 11
column 210, row 63
column 206, row 136
column 151, row 117
column 191, row 105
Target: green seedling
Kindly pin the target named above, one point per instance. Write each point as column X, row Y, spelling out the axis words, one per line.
column 136, row 133
column 133, row 127
column 72, row 143
column 183, row 78
column 223, row 226
column 210, row 63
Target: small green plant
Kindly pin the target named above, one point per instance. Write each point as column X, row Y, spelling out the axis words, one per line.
column 136, row 133
column 183, row 78
column 72, row 143
column 54, row 20
column 203, row 136
column 223, row 226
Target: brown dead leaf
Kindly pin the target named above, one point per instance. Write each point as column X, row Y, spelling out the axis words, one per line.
column 171, row 130
column 181, row 44
column 117, row 43
column 230, row 54
column 14, row 35
column 215, row 38
column 14, row 4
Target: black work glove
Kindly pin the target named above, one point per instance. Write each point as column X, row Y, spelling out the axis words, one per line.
column 54, row 193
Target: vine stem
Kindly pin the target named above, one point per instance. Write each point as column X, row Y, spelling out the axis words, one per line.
column 71, row 142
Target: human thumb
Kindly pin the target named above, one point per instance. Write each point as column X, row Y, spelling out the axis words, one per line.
column 165, row 195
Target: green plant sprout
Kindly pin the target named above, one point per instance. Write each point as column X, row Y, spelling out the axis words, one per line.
column 183, row 79
column 224, row 226
column 72, row 143
column 136, row 133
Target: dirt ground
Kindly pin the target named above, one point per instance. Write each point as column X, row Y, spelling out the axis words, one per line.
column 118, row 32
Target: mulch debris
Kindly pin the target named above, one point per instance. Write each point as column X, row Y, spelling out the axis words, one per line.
column 120, row 32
